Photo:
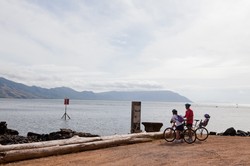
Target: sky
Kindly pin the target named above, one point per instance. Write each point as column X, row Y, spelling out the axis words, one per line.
column 197, row 48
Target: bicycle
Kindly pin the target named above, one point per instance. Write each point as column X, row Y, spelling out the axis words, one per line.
column 200, row 131
column 187, row 134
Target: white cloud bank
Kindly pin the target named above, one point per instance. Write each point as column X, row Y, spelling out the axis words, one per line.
column 198, row 48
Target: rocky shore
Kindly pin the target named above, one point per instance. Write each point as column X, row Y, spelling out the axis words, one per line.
column 233, row 132
column 10, row 136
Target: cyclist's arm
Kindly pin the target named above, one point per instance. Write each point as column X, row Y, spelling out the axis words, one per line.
column 172, row 123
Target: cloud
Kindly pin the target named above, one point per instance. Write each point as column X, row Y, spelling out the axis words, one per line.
column 190, row 47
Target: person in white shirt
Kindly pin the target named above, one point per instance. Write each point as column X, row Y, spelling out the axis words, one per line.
column 178, row 124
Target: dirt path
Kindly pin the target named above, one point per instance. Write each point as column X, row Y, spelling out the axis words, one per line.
column 217, row 150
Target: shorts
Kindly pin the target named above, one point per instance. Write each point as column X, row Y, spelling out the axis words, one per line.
column 189, row 126
column 180, row 128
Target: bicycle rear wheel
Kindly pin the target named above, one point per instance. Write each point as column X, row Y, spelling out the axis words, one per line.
column 201, row 133
column 189, row 136
column 169, row 134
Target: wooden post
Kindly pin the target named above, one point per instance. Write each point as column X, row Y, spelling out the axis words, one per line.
column 136, row 117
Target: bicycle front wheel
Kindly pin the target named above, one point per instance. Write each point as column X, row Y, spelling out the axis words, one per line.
column 169, row 134
column 189, row 136
column 201, row 133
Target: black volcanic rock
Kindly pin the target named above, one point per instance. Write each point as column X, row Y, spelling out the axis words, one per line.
column 4, row 129
column 10, row 136
column 230, row 131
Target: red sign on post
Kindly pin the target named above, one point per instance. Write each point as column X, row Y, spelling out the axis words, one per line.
column 65, row 115
column 66, row 101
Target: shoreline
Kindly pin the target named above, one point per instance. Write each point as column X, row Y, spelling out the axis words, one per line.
column 82, row 119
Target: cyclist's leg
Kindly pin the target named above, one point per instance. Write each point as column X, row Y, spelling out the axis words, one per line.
column 179, row 132
column 189, row 136
column 189, row 125
column 188, row 130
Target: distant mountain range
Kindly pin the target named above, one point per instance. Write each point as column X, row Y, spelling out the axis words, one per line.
column 10, row 89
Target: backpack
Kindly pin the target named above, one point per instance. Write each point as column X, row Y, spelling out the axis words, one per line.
column 180, row 118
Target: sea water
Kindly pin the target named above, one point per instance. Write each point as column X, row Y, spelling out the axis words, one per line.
column 110, row 117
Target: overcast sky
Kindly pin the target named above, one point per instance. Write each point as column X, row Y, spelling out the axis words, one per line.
column 197, row 48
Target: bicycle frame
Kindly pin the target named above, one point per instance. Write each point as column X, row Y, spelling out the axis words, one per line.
column 188, row 135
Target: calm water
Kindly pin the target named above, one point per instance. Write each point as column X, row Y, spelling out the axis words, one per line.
column 110, row 117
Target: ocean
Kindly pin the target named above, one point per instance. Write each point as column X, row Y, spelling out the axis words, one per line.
column 105, row 118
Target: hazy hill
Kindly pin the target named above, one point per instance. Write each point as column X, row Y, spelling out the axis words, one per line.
column 10, row 89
